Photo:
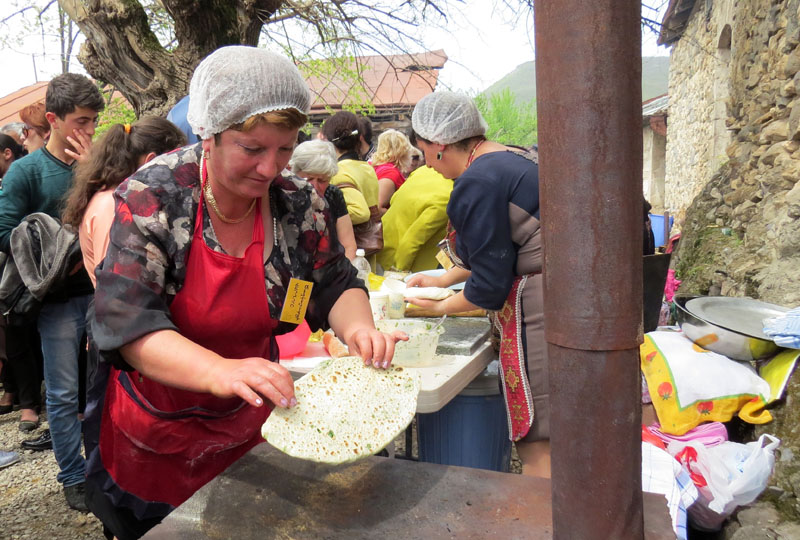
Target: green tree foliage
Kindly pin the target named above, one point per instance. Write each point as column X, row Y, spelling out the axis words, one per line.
column 509, row 122
column 117, row 111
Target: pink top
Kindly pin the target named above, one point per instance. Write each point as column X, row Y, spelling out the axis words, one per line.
column 390, row 171
column 95, row 228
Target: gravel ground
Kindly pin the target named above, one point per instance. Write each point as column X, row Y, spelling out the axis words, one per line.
column 32, row 505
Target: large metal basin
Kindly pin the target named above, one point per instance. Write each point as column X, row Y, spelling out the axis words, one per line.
column 718, row 339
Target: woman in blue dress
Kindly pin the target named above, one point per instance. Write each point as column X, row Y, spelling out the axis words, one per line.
column 494, row 243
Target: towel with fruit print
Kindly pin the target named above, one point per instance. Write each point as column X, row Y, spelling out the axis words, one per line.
column 690, row 385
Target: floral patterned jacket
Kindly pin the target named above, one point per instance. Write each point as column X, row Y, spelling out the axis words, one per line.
column 145, row 265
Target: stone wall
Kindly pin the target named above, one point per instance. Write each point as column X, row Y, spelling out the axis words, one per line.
column 741, row 235
column 654, row 146
column 696, row 104
column 754, row 196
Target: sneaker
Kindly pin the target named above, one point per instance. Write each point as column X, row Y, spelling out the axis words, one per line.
column 76, row 497
column 8, row 458
column 44, row 442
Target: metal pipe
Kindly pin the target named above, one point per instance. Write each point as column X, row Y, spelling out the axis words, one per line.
column 588, row 80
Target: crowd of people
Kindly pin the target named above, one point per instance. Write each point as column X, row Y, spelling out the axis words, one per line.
column 152, row 312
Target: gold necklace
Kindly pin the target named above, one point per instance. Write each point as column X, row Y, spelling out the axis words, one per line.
column 213, row 202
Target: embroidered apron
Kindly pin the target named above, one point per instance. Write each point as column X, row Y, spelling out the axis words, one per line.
column 166, row 443
column 513, row 372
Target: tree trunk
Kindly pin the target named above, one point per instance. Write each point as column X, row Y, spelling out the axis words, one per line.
column 122, row 50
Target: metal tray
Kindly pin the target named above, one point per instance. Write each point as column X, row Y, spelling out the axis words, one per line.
column 743, row 315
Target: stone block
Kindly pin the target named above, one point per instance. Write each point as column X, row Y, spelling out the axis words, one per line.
column 755, row 78
column 788, row 89
column 793, row 125
column 752, row 532
column 722, row 212
column 765, row 118
column 792, row 197
column 788, row 531
column 790, row 170
column 763, row 514
column 768, row 157
column 777, row 130
column 792, row 64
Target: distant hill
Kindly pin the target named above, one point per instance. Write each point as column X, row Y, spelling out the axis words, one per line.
column 522, row 81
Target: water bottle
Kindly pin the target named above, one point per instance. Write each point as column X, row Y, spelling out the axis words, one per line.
column 362, row 266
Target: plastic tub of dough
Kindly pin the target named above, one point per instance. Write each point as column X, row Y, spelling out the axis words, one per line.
column 420, row 349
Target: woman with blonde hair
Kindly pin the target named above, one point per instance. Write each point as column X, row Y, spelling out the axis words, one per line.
column 391, row 158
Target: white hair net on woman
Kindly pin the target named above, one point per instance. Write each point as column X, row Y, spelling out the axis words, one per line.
column 316, row 158
column 234, row 83
column 447, row 117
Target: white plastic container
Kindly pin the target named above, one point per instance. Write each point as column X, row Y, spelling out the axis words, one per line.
column 420, row 349
column 396, row 290
column 397, row 306
column 379, row 302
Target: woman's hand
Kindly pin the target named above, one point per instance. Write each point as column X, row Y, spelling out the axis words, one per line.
column 423, row 280
column 434, row 306
column 251, row 378
column 374, row 347
column 457, row 303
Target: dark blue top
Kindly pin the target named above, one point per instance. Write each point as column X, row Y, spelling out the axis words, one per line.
column 479, row 213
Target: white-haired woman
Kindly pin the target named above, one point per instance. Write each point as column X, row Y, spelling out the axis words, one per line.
column 494, row 240
column 392, row 157
column 203, row 246
column 316, row 162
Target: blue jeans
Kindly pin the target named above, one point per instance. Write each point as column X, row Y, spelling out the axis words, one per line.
column 61, row 326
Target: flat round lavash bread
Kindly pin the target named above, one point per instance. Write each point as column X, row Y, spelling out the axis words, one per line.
column 345, row 411
column 429, row 293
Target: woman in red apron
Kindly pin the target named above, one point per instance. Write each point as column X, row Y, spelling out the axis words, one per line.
column 202, row 251
column 494, row 243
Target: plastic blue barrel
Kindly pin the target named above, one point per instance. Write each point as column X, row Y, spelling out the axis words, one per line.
column 470, row 431
column 657, row 224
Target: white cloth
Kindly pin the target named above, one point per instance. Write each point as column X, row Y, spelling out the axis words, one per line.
column 661, row 473
column 785, row 330
column 702, row 375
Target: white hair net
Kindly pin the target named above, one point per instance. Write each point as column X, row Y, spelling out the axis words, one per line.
column 234, row 83
column 314, row 157
column 447, row 117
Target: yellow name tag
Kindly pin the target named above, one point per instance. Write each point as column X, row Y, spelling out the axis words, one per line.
column 296, row 302
column 444, row 260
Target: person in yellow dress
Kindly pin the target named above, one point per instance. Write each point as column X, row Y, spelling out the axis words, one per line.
column 415, row 222
column 356, row 178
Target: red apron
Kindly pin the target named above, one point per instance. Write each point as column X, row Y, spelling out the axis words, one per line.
column 161, row 443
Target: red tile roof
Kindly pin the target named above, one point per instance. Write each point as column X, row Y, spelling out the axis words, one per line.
column 11, row 104
column 390, row 81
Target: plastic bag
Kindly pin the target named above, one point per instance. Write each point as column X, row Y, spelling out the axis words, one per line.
column 727, row 475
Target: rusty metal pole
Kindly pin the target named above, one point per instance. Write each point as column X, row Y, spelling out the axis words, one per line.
column 588, row 80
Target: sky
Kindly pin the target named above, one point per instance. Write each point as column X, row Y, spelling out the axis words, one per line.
column 484, row 40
